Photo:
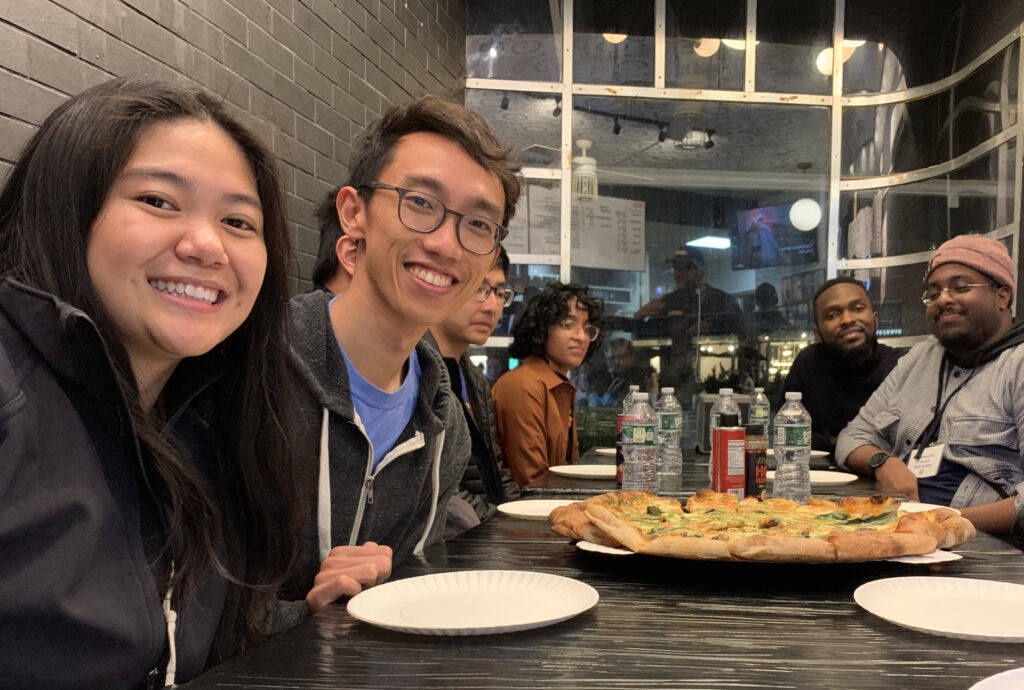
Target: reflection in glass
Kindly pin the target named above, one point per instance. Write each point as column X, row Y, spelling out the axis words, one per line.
column 512, row 39
column 525, row 121
column 791, row 34
column 887, row 139
column 613, row 43
column 922, row 215
column 534, row 229
column 696, row 57
column 896, row 294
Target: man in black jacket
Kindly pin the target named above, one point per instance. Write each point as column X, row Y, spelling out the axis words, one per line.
column 487, row 481
column 838, row 373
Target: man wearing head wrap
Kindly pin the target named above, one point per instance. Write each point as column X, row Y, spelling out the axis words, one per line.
column 946, row 425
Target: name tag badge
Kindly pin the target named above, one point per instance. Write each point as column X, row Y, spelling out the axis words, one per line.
column 928, row 464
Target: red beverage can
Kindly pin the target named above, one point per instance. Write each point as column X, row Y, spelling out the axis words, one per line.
column 728, row 463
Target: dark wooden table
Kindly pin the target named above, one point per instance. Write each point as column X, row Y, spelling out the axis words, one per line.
column 659, row 623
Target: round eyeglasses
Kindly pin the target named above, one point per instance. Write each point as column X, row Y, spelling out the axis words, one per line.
column 423, row 213
column 503, row 295
column 572, row 325
column 933, row 293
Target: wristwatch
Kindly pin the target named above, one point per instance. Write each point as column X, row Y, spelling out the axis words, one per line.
column 877, row 460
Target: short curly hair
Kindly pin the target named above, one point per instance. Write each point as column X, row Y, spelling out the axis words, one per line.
column 530, row 330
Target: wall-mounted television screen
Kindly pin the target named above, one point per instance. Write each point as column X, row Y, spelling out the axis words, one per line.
column 765, row 237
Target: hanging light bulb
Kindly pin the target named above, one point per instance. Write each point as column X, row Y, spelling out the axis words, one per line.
column 614, row 38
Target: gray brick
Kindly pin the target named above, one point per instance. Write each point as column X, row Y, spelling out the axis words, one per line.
column 298, row 99
column 272, row 110
column 13, row 137
column 358, row 17
column 365, row 94
column 204, row 35
column 220, row 80
column 14, row 49
column 307, row 240
column 331, row 120
column 311, row 25
column 5, row 170
column 394, row 27
column 372, row 8
column 312, row 188
column 170, row 15
column 62, row 71
column 270, row 50
column 312, row 135
column 362, row 43
column 416, row 50
column 304, row 267
column 285, row 7
column 381, row 83
column 327, row 65
column 294, row 152
column 331, row 16
column 349, row 54
column 142, row 33
column 350, row 106
column 380, row 36
column 248, row 66
column 312, row 81
column 105, row 14
column 300, row 210
column 405, row 14
column 44, row 19
column 393, row 68
column 118, row 58
column 299, row 43
column 342, row 155
column 25, row 100
column 256, row 11
column 330, row 170
column 222, row 14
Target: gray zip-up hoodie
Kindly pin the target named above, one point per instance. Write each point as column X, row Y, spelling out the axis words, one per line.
column 402, row 503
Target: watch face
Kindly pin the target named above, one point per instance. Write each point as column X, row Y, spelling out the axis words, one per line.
column 877, row 460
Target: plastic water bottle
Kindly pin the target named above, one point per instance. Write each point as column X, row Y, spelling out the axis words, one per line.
column 760, row 410
column 670, row 430
column 639, row 447
column 628, row 400
column 792, row 451
column 724, row 405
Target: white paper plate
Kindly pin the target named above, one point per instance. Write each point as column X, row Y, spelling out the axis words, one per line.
column 824, row 477
column 1007, row 680
column 605, row 451
column 532, row 510
column 949, row 606
column 814, row 453
column 914, row 507
column 936, row 556
column 473, row 602
column 584, row 471
column 600, row 548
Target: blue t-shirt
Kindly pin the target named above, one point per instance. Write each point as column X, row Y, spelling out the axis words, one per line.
column 384, row 415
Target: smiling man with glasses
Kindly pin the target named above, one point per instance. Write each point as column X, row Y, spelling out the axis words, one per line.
column 946, row 425
column 559, row 330
column 430, row 192
column 487, row 482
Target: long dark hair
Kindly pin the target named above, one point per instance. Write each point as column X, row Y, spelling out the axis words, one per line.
column 530, row 330
column 47, row 209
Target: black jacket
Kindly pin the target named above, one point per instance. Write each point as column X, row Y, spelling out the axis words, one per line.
column 80, row 534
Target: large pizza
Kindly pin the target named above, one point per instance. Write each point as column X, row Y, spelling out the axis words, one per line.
column 719, row 526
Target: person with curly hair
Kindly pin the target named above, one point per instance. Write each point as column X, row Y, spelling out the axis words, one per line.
column 560, row 329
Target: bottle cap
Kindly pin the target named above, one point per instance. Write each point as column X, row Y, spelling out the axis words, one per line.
column 754, row 429
column 641, row 396
column 725, row 391
column 668, row 389
column 794, row 395
column 729, row 420
column 758, row 389
column 634, row 388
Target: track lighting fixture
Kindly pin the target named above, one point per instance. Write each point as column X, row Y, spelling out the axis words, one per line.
column 504, row 101
column 616, row 128
column 558, row 107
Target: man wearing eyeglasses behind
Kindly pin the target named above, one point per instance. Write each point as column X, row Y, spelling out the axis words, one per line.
column 946, row 425
column 487, row 482
column 558, row 331
column 430, row 192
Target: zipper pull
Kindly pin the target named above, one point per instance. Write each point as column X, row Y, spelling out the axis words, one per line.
column 369, row 490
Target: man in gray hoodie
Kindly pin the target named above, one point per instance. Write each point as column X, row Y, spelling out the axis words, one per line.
column 430, row 193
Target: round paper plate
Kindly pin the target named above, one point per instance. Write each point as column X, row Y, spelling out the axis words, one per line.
column 824, row 477
column 473, row 602
column 1007, row 680
column 814, row 453
column 532, row 510
column 949, row 606
column 584, row 471
column 605, row 451
column 600, row 548
column 914, row 507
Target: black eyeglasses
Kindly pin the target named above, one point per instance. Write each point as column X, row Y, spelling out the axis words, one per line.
column 931, row 294
column 423, row 213
column 503, row 295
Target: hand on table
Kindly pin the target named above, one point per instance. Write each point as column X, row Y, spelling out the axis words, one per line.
column 894, row 477
column 347, row 571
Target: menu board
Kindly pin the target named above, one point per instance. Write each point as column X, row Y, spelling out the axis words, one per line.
column 606, row 232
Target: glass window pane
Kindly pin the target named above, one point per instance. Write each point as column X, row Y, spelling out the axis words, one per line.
column 922, row 215
column 705, row 43
column 896, row 295
column 882, row 140
column 791, row 35
column 535, row 226
column 528, row 122
column 613, row 42
column 513, row 39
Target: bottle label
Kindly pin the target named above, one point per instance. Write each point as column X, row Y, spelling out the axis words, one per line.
column 639, row 434
column 759, row 411
column 793, row 436
column 670, row 422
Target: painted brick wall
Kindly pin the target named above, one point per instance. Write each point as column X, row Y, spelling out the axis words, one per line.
column 307, row 75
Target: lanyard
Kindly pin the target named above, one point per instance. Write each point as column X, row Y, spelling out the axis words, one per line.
column 931, row 432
